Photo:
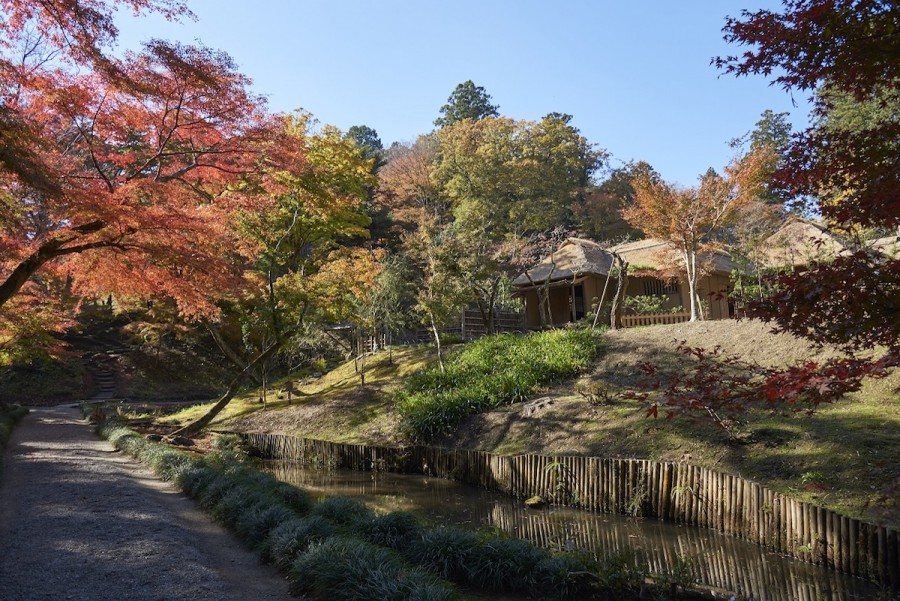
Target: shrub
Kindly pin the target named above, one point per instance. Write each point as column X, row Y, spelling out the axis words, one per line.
column 235, row 502
column 9, row 416
column 490, row 372
column 298, row 500
column 393, row 530
column 290, row 538
column 445, row 551
column 194, row 480
column 563, row 576
column 220, row 485
column 619, row 575
column 505, row 565
column 253, row 525
column 342, row 511
column 346, row 569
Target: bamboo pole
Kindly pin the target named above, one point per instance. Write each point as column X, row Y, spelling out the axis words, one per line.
column 705, row 498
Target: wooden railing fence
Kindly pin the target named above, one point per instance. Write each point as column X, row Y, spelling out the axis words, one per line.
column 652, row 319
column 676, row 492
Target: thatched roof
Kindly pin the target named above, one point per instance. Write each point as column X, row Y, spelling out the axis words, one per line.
column 657, row 254
column 800, row 241
column 577, row 257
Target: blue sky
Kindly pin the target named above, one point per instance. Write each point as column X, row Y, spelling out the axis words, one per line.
column 635, row 75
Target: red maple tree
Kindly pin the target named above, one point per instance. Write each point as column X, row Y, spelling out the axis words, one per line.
column 121, row 174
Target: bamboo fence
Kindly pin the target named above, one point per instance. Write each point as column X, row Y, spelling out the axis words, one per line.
column 675, row 492
column 652, row 319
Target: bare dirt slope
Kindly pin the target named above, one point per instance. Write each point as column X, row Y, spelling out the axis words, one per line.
column 79, row 520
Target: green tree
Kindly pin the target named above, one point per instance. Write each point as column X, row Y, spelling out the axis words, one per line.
column 303, row 272
column 772, row 133
column 598, row 213
column 512, row 177
column 368, row 142
column 467, row 101
column 394, row 295
column 505, row 179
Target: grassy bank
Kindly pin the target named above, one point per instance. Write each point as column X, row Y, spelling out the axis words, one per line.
column 845, row 457
column 489, row 373
column 340, row 550
column 333, row 406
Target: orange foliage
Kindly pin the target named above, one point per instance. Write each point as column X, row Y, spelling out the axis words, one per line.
column 123, row 174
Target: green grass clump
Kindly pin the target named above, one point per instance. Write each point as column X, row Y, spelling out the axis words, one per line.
column 445, row 551
column 292, row 537
column 343, row 511
column 393, row 530
column 504, row 565
column 490, row 372
column 347, row 569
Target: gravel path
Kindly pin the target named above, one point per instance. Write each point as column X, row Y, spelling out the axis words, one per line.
column 80, row 520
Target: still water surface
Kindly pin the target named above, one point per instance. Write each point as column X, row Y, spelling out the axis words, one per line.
column 723, row 564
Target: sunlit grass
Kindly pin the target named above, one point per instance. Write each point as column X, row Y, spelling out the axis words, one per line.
column 384, row 370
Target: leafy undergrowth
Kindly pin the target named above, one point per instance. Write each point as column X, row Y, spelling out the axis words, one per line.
column 488, row 373
column 9, row 416
column 340, row 550
column 333, row 407
column 42, row 381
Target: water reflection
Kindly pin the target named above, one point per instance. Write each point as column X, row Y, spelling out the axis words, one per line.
column 723, row 564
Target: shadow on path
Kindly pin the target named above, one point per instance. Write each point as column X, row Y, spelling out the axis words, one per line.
column 79, row 520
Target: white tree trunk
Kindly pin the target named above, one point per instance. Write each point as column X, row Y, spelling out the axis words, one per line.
column 690, row 262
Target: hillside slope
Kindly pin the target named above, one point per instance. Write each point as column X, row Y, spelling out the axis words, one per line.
column 846, row 456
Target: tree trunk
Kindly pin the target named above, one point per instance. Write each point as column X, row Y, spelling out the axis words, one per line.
column 197, row 425
column 615, row 313
column 265, row 386
column 437, row 340
column 361, row 349
column 229, row 352
column 492, row 307
column 690, row 264
column 602, row 298
column 390, row 345
column 49, row 250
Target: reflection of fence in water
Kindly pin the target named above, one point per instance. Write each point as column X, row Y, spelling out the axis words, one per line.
column 678, row 493
column 723, row 564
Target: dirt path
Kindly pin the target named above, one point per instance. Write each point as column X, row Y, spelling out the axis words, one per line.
column 80, row 520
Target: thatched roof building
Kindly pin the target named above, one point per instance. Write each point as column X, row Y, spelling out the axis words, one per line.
column 575, row 279
column 575, row 258
column 799, row 242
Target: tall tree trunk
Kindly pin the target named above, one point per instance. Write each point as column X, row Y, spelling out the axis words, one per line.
column 437, row 340
column 602, row 298
column 691, row 268
column 361, row 349
column 492, row 306
column 197, row 425
column 615, row 313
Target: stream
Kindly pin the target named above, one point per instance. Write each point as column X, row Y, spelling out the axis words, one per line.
column 723, row 565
